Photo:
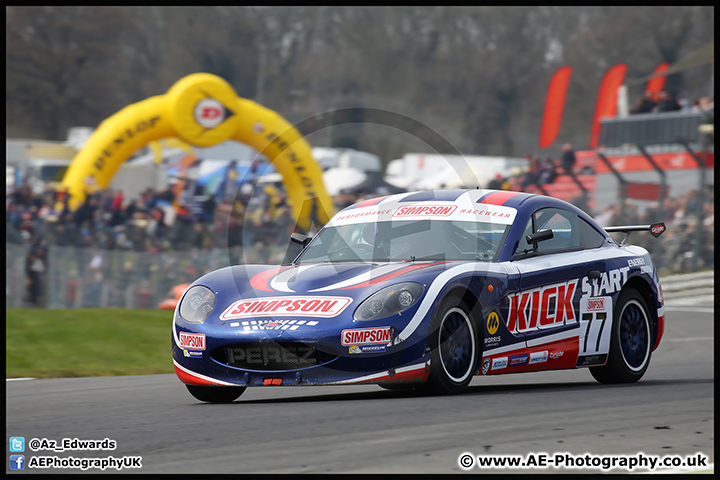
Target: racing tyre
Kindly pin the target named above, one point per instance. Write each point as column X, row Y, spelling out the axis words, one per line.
column 215, row 394
column 454, row 343
column 631, row 341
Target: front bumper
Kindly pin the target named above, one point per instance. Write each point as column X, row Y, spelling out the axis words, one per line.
column 304, row 357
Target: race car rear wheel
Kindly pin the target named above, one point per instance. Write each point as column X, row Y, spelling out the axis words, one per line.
column 215, row 394
column 454, row 343
column 631, row 342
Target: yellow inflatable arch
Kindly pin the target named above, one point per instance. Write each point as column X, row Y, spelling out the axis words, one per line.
column 203, row 110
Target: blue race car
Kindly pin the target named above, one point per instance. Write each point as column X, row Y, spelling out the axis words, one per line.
column 424, row 291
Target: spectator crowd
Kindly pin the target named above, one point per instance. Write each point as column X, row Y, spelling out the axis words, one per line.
column 151, row 223
column 258, row 220
column 690, row 229
column 667, row 102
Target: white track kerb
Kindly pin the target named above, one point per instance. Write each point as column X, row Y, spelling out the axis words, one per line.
column 691, row 289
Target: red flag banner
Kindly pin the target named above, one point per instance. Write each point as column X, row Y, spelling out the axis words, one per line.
column 645, row 191
column 606, row 105
column 656, row 84
column 554, row 105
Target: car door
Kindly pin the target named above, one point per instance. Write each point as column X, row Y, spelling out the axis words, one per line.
column 547, row 309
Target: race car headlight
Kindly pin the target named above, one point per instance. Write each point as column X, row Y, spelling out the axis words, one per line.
column 389, row 301
column 197, row 304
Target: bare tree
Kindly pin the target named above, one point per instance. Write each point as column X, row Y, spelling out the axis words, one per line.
column 475, row 75
column 60, row 67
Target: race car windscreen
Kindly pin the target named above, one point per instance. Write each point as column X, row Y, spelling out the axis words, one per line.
column 423, row 240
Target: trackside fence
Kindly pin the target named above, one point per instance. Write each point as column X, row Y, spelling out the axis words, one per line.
column 86, row 278
column 91, row 278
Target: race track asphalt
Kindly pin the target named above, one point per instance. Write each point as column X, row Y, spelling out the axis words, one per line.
column 366, row 429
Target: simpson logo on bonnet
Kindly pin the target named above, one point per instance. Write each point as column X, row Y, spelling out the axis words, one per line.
column 325, row 307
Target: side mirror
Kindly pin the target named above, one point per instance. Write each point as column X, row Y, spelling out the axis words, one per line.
column 300, row 239
column 540, row 236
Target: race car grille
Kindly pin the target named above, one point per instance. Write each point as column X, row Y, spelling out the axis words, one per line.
column 275, row 356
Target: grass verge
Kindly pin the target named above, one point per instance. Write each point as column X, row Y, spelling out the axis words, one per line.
column 87, row 342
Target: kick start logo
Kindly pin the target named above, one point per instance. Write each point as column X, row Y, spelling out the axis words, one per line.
column 545, row 307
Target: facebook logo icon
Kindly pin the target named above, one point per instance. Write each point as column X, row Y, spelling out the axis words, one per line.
column 17, row 462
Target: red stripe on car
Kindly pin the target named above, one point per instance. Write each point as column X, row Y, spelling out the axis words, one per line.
column 390, row 276
column 661, row 329
column 497, row 198
column 260, row 281
column 371, row 202
column 191, row 379
column 416, row 375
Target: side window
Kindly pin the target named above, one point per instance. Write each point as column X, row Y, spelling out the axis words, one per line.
column 589, row 237
column 564, row 226
column 523, row 246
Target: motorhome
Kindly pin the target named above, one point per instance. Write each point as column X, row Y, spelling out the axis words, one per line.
column 346, row 158
column 429, row 171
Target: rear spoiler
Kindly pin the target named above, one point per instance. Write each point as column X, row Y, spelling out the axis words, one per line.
column 655, row 229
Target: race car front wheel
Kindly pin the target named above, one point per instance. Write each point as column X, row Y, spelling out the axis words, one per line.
column 454, row 343
column 215, row 394
column 631, row 342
